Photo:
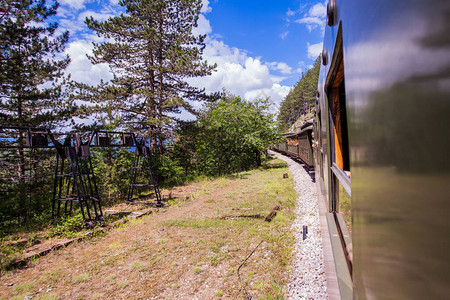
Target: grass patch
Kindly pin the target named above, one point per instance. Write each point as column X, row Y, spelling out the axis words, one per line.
column 180, row 249
column 83, row 277
column 68, row 226
column 191, row 223
column 24, row 287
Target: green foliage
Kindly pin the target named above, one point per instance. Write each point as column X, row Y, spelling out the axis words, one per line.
column 68, row 226
column 8, row 254
column 301, row 99
column 230, row 136
column 25, row 200
column 112, row 167
column 168, row 170
column 183, row 150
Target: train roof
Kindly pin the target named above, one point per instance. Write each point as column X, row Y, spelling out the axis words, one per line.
column 305, row 127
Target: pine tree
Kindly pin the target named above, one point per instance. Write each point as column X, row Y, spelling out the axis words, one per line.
column 152, row 53
column 31, row 76
column 32, row 87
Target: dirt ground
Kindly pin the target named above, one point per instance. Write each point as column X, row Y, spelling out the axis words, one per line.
column 186, row 250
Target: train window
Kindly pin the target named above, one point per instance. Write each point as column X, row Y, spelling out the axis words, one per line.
column 341, row 153
column 340, row 191
column 320, row 144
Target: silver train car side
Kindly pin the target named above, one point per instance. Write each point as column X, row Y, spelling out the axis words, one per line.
column 383, row 131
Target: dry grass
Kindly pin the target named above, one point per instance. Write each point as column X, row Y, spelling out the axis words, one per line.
column 181, row 252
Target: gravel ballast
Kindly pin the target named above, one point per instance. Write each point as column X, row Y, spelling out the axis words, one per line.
column 307, row 278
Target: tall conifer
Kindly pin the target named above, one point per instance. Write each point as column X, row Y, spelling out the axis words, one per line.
column 151, row 51
column 31, row 73
column 32, row 91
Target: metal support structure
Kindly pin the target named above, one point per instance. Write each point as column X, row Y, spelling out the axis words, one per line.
column 143, row 163
column 75, row 181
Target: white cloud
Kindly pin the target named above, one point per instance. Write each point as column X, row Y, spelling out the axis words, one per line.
column 74, row 4
column 314, row 50
column 205, row 7
column 97, row 16
column 318, row 10
column 301, row 65
column 290, row 13
column 312, row 22
column 280, row 66
column 217, row 52
column 284, row 34
column 81, row 69
column 74, row 23
column 276, row 93
column 314, row 18
column 203, row 26
column 242, row 75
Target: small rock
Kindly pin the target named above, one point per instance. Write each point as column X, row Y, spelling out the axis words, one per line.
column 10, row 284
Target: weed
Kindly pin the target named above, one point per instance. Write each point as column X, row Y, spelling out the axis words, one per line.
column 51, row 276
column 8, row 255
column 83, row 277
column 197, row 270
column 111, row 278
column 163, row 241
column 115, row 246
column 191, row 223
column 219, row 293
column 68, row 226
column 213, row 260
column 138, row 266
column 24, row 287
column 274, row 291
column 46, row 297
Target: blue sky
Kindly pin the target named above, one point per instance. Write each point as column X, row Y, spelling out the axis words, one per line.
column 261, row 47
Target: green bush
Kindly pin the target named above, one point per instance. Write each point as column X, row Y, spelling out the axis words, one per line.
column 68, row 226
column 230, row 136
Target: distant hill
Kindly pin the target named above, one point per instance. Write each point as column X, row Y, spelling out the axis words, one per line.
column 298, row 105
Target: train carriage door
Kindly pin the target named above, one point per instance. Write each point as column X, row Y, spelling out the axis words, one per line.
column 339, row 161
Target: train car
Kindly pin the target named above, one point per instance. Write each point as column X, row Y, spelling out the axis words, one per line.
column 382, row 130
column 305, row 143
column 298, row 145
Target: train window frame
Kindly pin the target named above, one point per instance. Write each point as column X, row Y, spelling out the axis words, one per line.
column 335, row 94
column 338, row 146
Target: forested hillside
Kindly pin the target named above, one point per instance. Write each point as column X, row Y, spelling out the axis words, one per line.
column 301, row 99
